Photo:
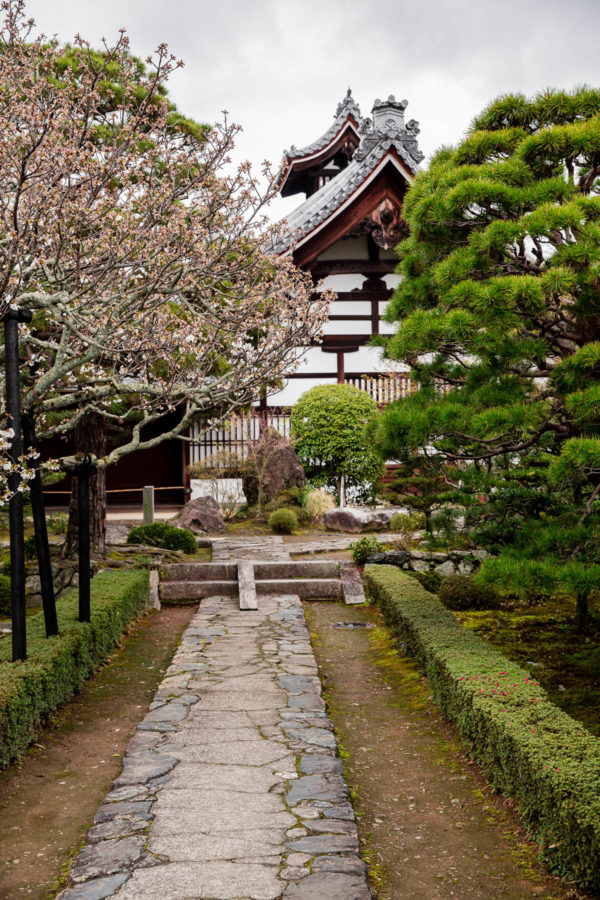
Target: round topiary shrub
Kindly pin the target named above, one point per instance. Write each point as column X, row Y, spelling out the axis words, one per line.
column 461, row 592
column 283, row 521
column 5, row 600
column 330, row 425
column 161, row 534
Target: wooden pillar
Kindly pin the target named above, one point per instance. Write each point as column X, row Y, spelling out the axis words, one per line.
column 375, row 315
column 340, row 367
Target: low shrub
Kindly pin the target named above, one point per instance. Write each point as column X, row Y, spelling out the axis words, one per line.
column 363, row 547
column 317, row 503
column 462, row 592
column 57, row 523
column 5, row 598
column 291, row 496
column 162, row 534
column 30, row 547
column 431, row 581
column 535, row 752
column 406, row 525
column 56, row 667
column 283, row 521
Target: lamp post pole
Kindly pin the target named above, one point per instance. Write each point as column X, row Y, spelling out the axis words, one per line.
column 15, row 509
column 84, row 470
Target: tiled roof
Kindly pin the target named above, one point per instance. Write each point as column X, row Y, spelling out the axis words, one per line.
column 347, row 107
column 386, row 130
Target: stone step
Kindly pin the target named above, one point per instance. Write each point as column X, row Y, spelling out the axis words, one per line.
column 352, row 585
column 191, row 591
column 295, row 569
column 246, row 585
column 203, row 571
column 306, row 588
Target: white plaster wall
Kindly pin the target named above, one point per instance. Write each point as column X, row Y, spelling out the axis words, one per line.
column 294, row 389
column 370, row 359
column 350, row 308
column 343, row 282
column 347, row 326
column 353, row 248
column 392, row 280
column 315, row 360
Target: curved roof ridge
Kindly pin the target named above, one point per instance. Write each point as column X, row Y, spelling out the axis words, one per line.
column 385, row 131
column 345, row 108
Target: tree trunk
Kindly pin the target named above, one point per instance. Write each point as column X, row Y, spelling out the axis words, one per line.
column 41, row 535
column 90, row 437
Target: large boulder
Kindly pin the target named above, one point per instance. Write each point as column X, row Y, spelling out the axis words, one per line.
column 202, row 515
column 276, row 460
column 357, row 520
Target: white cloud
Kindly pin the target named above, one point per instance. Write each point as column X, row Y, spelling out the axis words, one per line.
column 281, row 66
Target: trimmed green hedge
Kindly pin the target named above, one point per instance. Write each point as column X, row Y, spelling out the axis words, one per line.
column 536, row 753
column 57, row 667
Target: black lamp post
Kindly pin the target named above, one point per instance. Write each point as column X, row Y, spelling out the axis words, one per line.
column 17, row 550
column 84, row 470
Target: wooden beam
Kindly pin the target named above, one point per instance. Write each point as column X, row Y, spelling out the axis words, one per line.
column 366, row 267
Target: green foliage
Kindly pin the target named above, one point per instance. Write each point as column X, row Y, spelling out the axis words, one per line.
column 5, row 597
column 498, row 313
column 364, row 547
column 418, row 483
column 537, row 754
column 462, row 592
column 291, row 496
column 162, row 534
column 283, row 521
column 431, row 581
column 57, row 667
column 329, row 425
column 30, row 547
column 57, row 523
column 406, row 525
column 317, row 503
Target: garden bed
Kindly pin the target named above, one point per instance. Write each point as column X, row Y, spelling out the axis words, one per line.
column 534, row 751
column 56, row 667
column 544, row 638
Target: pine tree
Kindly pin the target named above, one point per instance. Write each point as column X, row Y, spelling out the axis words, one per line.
column 499, row 318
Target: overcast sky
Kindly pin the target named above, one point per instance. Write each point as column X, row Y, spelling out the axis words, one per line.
column 281, row 66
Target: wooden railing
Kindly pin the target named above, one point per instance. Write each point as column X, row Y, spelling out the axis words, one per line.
column 384, row 389
column 220, row 447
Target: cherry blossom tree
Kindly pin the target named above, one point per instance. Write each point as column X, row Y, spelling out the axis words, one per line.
column 142, row 251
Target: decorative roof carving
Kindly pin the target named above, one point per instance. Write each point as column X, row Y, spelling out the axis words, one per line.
column 347, row 107
column 387, row 127
column 385, row 130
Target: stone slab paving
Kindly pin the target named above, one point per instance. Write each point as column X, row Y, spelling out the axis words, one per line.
column 257, row 547
column 232, row 786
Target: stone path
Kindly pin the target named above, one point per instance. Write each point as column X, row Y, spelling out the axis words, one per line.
column 275, row 549
column 232, row 786
column 269, row 547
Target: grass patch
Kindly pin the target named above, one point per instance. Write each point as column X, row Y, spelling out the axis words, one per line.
column 57, row 667
column 535, row 752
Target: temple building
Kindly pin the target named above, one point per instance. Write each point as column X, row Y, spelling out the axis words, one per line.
column 354, row 178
